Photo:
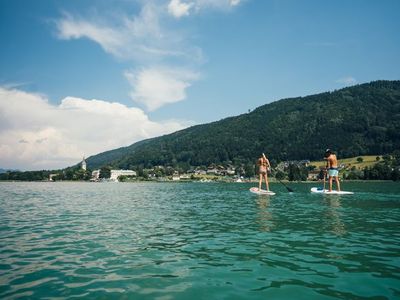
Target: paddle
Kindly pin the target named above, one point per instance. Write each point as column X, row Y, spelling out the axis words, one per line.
column 288, row 188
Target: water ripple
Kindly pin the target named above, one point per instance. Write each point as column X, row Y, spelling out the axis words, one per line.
column 193, row 240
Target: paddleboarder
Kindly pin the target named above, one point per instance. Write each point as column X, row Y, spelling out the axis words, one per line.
column 264, row 165
column 332, row 169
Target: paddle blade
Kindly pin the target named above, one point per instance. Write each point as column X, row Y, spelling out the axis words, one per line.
column 288, row 188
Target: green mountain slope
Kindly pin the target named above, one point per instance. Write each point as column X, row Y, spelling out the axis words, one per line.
column 358, row 120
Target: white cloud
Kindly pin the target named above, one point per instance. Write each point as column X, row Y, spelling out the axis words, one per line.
column 112, row 40
column 216, row 4
column 35, row 134
column 158, row 86
column 234, row 2
column 138, row 38
column 146, row 40
column 179, row 9
column 349, row 80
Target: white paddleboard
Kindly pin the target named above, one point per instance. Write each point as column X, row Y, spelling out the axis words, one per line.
column 255, row 190
column 322, row 191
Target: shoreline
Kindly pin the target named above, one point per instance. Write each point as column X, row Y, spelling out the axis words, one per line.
column 193, row 181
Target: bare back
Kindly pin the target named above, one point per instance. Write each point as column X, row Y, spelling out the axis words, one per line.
column 332, row 161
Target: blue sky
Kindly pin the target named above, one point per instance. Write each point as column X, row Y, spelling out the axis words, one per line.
column 81, row 77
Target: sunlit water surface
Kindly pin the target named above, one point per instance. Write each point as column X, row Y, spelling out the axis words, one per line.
column 198, row 241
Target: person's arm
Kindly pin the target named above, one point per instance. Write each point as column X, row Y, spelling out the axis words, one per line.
column 330, row 162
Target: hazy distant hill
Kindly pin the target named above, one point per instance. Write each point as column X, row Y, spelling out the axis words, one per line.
column 6, row 170
column 358, row 120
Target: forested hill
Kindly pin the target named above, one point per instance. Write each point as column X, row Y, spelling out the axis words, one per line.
column 358, row 120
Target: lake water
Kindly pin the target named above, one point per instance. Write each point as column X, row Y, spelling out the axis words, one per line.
column 198, row 241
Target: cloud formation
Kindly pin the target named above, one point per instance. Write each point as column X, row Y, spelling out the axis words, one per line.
column 180, row 8
column 155, row 87
column 148, row 40
column 136, row 38
column 35, row 134
column 148, row 43
column 349, row 80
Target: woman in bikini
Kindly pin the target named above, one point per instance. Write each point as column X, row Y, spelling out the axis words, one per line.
column 264, row 165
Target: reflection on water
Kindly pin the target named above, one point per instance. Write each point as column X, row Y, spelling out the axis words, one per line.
column 264, row 216
column 334, row 215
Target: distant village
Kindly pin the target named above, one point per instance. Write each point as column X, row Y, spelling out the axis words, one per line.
column 371, row 167
column 211, row 173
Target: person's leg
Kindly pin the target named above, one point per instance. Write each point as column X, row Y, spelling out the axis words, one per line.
column 337, row 183
column 330, row 183
column 259, row 182
column 266, row 181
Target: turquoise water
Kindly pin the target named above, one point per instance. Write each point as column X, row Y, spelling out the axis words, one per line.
column 198, row 241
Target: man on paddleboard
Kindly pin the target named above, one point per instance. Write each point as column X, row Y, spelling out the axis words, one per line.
column 264, row 165
column 332, row 168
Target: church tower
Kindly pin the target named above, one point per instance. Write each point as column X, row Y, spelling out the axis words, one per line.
column 83, row 163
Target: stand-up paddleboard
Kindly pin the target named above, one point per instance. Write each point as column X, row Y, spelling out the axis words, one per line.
column 255, row 190
column 322, row 191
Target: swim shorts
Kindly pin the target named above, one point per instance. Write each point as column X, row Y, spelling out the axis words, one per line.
column 333, row 172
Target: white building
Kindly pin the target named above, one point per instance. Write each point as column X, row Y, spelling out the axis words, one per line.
column 51, row 177
column 116, row 173
column 230, row 171
column 184, row 177
column 95, row 175
column 175, row 176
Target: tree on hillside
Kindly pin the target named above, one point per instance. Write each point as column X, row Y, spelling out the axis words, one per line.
column 280, row 175
column 297, row 173
column 105, row 172
column 395, row 176
column 249, row 170
column 355, row 121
